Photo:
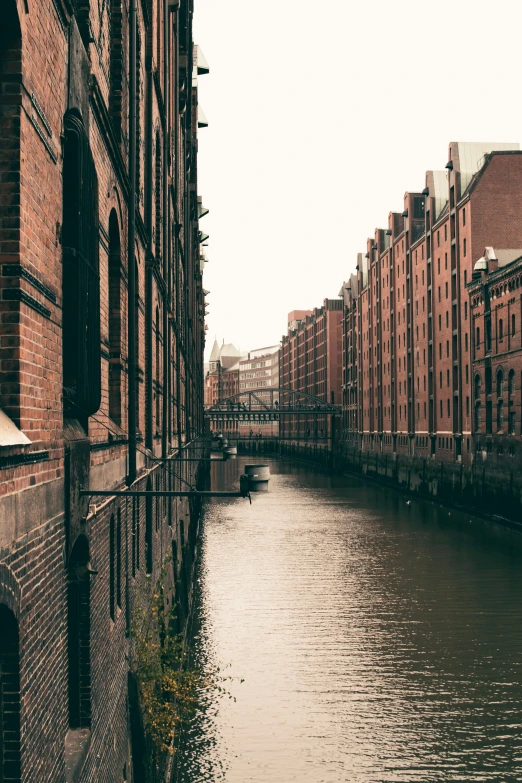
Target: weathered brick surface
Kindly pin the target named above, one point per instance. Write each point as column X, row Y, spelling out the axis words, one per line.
column 52, row 63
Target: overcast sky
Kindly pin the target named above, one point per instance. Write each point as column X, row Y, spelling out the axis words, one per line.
column 321, row 115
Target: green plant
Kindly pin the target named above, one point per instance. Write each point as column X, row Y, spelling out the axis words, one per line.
column 170, row 688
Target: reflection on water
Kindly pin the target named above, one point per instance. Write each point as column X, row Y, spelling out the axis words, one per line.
column 379, row 641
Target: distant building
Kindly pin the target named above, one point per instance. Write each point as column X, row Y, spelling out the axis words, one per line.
column 259, row 372
column 222, row 379
column 496, row 339
column 417, row 378
column 310, row 361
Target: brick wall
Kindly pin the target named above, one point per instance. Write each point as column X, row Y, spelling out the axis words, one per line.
column 53, row 65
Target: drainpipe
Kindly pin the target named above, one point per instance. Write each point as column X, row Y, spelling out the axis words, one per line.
column 149, row 274
column 165, row 238
column 131, row 302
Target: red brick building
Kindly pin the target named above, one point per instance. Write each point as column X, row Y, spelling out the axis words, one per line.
column 259, row 372
column 495, row 294
column 101, row 351
column 408, row 311
column 310, row 361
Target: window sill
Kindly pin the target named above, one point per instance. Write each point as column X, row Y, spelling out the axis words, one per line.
column 77, row 742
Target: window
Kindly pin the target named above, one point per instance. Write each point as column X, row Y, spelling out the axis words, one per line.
column 418, row 208
column 138, row 116
column 116, row 68
column 9, row 697
column 464, row 247
column 112, row 567
column 501, row 329
column 80, row 280
column 157, row 201
column 464, row 216
column 157, row 368
column 489, row 417
column 511, row 382
column 500, row 383
column 114, row 318
column 500, row 415
column 135, row 548
column 118, row 559
column 446, row 290
column 78, row 635
column 137, row 352
column 148, row 528
column 465, row 311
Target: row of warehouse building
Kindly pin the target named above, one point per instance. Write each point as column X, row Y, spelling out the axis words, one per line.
column 423, row 349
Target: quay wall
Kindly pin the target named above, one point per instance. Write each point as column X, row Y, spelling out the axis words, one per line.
column 482, row 487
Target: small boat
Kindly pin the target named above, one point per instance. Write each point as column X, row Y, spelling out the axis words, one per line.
column 258, row 477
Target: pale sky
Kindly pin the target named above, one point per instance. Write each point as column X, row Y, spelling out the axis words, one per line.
column 321, row 116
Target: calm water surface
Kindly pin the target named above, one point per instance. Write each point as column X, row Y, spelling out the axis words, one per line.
column 378, row 641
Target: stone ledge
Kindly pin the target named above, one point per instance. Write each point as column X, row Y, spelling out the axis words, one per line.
column 77, row 742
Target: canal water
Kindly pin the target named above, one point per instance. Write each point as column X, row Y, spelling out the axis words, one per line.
column 378, row 640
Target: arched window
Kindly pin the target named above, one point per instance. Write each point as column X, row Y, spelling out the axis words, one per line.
column 10, row 770
column 112, row 567
column 80, row 280
column 477, row 387
column 78, row 633
column 114, row 317
column 500, row 383
column 511, row 382
column 148, row 529
column 501, row 329
column 157, row 201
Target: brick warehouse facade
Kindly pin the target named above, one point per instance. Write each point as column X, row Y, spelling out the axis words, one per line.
column 310, row 361
column 98, row 111
column 407, row 337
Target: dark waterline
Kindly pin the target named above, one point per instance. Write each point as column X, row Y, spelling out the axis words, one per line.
column 378, row 641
